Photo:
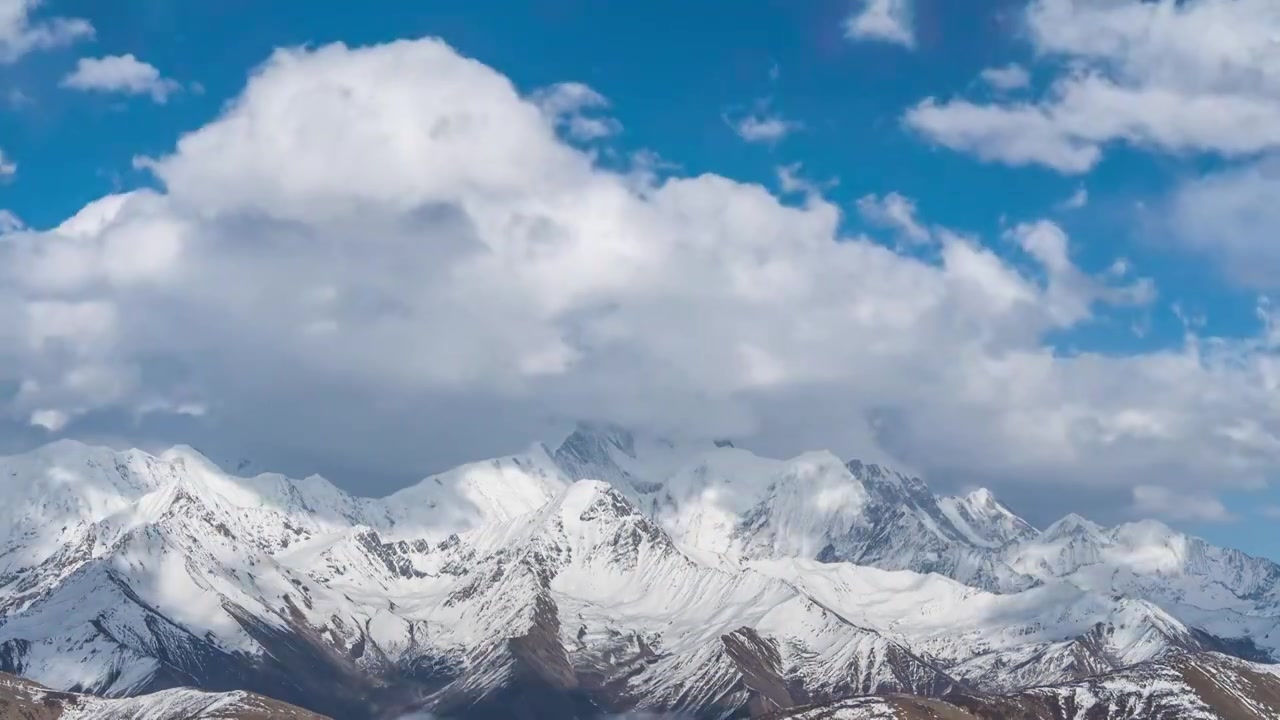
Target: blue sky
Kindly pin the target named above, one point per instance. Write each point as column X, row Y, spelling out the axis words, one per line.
column 1129, row 376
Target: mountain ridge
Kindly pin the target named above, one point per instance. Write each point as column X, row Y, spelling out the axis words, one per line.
column 24, row 700
column 695, row 578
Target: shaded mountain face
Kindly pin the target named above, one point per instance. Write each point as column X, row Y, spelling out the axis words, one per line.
column 24, row 700
column 614, row 574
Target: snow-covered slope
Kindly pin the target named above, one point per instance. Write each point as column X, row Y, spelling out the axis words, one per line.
column 1221, row 591
column 1190, row 569
column 1049, row 634
column 983, row 520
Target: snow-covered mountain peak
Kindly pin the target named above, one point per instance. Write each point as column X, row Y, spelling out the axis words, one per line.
column 593, row 499
column 713, row 497
column 634, row 462
column 73, row 463
column 981, row 497
column 1147, row 532
column 868, row 471
column 817, row 462
column 889, row 485
column 594, row 516
column 601, row 435
column 188, row 455
column 1073, row 525
column 581, row 518
column 474, row 494
column 984, row 520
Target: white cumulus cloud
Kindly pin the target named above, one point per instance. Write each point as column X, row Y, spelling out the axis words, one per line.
column 1191, row 76
column 124, row 74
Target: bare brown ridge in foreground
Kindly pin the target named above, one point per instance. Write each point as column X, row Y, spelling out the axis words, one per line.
column 25, row 700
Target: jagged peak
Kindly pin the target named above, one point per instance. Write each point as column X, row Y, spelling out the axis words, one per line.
column 878, row 474
column 868, row 471
column 592, row 500
column 981, row 497
column 983, row 500
column 360, row 529
column 1073, row 524
column 590, row 435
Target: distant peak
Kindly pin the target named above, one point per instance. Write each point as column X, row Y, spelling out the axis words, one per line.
column 67, row 450
column 190, row 456
column 887, row 479
column 593, row 498
column 600, row 433
column 866, row 470
column 981, row 496
column 1072, row 524
column 818, row 458
column 1146, row 530
column 1072, row 519
column 365, row 535
column 61, row 445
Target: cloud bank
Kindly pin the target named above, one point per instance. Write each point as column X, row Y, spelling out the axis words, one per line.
column 387, row 260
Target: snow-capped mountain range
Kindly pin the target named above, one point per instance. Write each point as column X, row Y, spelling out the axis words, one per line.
column 613, row 573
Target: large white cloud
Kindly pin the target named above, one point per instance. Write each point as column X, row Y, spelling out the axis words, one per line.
column 1170, row 75
column 386, row 260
